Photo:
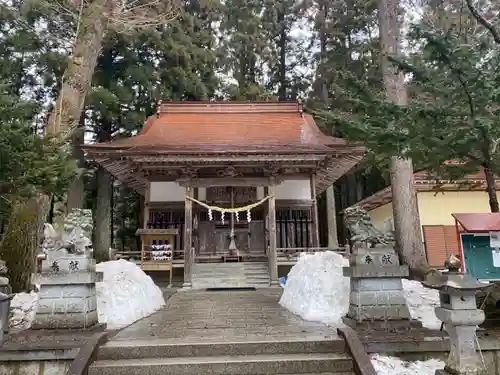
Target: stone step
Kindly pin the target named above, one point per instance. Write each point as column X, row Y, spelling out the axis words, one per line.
column 228, row 365
column 255, row 265
column 257, row 276
column 256, row 270
column 228, row 275
column 217, row 270
column 258, row 282
column 219, row 274
column 219, row 282
column 219, row 265
column 140, row 349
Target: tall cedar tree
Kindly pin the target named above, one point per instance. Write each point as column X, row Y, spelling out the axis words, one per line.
column 405, row 211
column 344, row 38
column 285, row 52
column 178, row 63
column 453, row 113
column 243, row 44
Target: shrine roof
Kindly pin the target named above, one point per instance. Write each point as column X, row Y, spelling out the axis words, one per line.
column 227, row 127
column 202, row 134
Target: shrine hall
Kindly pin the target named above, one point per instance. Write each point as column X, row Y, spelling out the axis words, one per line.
column 227, row 182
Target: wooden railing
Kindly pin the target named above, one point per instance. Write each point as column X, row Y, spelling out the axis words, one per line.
column 284, row 254
column 135, row 256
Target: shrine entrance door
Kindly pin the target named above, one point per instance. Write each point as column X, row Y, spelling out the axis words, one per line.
column 232, row 234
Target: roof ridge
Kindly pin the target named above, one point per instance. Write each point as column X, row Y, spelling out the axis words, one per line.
column 228, row 107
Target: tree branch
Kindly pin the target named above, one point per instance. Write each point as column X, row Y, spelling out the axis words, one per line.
column 494, row 33
column 458, row 73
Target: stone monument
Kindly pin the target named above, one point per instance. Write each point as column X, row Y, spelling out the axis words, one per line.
column 4, row 281
column 376, row 299
column 67, row 298
column 460, row 315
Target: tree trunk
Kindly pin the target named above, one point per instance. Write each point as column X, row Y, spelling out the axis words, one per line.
column 77, row 77
column 103, row 206
column 102, row 215
column 323, row 38
column 491, row 189
column 404, row 201
column 76, row 190
column 282, row 93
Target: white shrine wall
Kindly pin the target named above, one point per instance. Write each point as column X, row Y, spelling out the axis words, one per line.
column 168, row 191
column 297, row 189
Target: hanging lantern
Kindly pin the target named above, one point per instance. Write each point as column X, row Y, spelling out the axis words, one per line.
column 210, row 215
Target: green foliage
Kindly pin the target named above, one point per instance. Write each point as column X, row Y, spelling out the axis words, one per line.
column 29, row 67
column 453, row 113
column 177, row 62
column 346, row 37
column 29, row 163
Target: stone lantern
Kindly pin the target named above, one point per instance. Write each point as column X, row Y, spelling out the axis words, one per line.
column 460, row 315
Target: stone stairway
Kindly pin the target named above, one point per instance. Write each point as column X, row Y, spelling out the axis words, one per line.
column 230, row 275
column 174, row 357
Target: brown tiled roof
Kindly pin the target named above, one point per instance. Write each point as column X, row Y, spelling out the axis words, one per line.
column 423, row 182
column 477, row 176
column 226, row 125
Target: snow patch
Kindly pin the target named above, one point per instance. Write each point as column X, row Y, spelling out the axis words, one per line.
column 22, row 310
column 421, row 302
column 394, row 366
column 316, row 289
column 125, row 295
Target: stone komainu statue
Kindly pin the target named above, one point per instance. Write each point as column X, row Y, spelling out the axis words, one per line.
column 361, row 230
column 74, row 236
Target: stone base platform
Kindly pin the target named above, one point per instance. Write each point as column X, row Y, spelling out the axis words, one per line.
column 382, row 325
column 41, row 339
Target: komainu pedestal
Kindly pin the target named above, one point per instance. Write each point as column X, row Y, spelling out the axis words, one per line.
column 377, row 301
column 67, row 298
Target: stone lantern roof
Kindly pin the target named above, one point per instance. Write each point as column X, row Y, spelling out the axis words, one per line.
column 451, row 281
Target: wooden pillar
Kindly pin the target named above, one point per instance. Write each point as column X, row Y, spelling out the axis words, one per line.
column 331, row 215
column 272, row 254
column 188, row 238
column 147, row 200
column 314, row 212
